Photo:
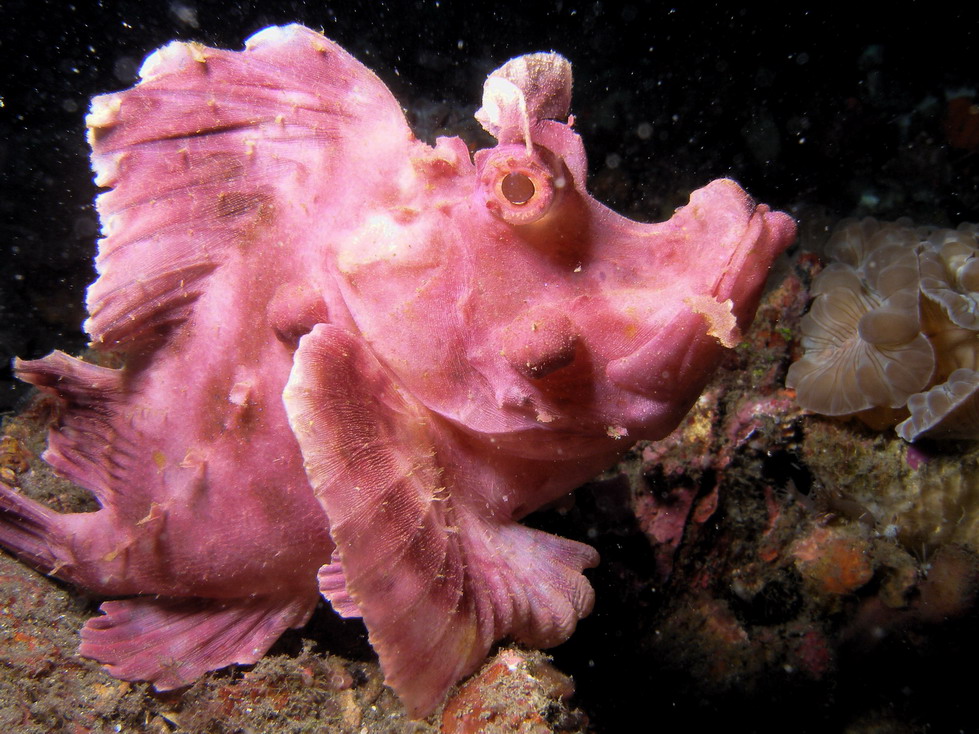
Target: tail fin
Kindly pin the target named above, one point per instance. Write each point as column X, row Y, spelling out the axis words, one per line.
column 30, row 531
column 91, row 446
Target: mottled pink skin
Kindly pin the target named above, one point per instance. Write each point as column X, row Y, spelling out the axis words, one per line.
column 337, row 334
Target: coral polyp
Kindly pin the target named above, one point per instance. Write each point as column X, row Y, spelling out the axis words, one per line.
column 893, row 333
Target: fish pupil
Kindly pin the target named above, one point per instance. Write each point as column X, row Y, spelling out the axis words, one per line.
column 517, row 188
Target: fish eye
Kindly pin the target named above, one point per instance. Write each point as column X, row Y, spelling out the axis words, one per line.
column 517, row 188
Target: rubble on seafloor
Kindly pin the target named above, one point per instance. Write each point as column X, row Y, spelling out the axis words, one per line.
column 758, row 563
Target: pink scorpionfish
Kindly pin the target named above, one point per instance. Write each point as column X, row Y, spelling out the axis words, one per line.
column 354, row 361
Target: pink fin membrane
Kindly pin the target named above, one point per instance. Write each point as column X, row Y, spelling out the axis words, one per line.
column 173, row 641
column 436, row 576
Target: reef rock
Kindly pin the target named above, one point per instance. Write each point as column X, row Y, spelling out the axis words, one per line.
column 353, row 361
